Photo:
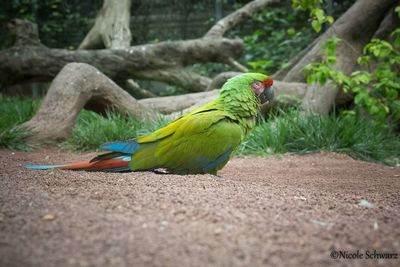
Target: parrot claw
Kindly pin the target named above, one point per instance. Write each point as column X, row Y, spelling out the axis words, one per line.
column 161, row 171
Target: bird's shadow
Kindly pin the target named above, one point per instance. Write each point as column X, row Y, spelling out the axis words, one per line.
column 166, row 172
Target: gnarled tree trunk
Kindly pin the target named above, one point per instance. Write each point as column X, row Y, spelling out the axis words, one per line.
column 77, row 86
column 35, row 62
column 111, row 27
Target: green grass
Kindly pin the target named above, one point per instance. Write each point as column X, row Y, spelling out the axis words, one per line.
column 292, row 131
column 289, row 131
column 14, row 111
column 92, row 130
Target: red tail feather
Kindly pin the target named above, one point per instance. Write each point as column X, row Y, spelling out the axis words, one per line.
column 109, row 164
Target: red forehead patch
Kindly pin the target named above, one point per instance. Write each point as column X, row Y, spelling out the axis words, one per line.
column 268, row 82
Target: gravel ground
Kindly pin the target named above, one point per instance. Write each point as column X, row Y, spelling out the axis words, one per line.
column 282, row 211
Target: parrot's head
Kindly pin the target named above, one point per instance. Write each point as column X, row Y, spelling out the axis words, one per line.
column 256, row 84
column 243, row 94
column 261, row 85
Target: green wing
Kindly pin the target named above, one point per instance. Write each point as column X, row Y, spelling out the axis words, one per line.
column 200, row 142
column 172, row 127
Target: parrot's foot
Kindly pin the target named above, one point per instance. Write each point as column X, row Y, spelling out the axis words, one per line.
column 161, row 171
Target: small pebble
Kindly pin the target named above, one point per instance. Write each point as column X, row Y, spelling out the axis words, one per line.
column 217, row 231
column 49, row 217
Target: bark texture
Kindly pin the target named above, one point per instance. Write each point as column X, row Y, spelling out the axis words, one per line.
column 23, row 33
column 168, row 105
column 136, row 91
column 75, row 87
column 190, row 81
column 111, row 27
column 39, row 63
column 30, row 62
column 237, row 17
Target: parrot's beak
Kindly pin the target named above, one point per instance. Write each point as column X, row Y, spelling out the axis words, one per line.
column 267, row 95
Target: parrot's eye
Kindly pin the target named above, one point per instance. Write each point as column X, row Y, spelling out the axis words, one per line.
column 257, row 87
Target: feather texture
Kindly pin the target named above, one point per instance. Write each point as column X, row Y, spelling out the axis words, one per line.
column 116, row 164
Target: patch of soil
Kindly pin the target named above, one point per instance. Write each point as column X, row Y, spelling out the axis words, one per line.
column 284, row 211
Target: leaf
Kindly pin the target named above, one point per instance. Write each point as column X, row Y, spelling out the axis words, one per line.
column 330, row 19
column 316, row 25
column 363, row 60
column 259, row 32
column 310, row 79
column 322, row 78
column 397, row 10
column 291, row 32
column 396, row 35
column 319, row 14
column 331, row 59
column 374, row 110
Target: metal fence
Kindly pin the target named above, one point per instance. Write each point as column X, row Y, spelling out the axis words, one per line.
column 64, row 24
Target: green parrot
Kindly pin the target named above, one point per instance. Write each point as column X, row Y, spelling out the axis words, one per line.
column 201, row 141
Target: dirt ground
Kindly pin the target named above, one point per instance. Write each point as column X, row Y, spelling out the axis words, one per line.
column 286, row 211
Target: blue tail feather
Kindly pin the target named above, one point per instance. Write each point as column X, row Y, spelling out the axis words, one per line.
column 41, row 167
column 128, row 148
column 124, row 158
column 90, row 166
column 123, row 147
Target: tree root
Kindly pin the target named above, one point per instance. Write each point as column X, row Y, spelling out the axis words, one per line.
column 77, row 86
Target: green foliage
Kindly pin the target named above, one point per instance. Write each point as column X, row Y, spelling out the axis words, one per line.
column 293, row 131
column 61, row 23
column 281, row 33
column 316, row 12
column 279, row 36
column 13, row 112
column 321, row 72
column 92, row 130
column 376, row 90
